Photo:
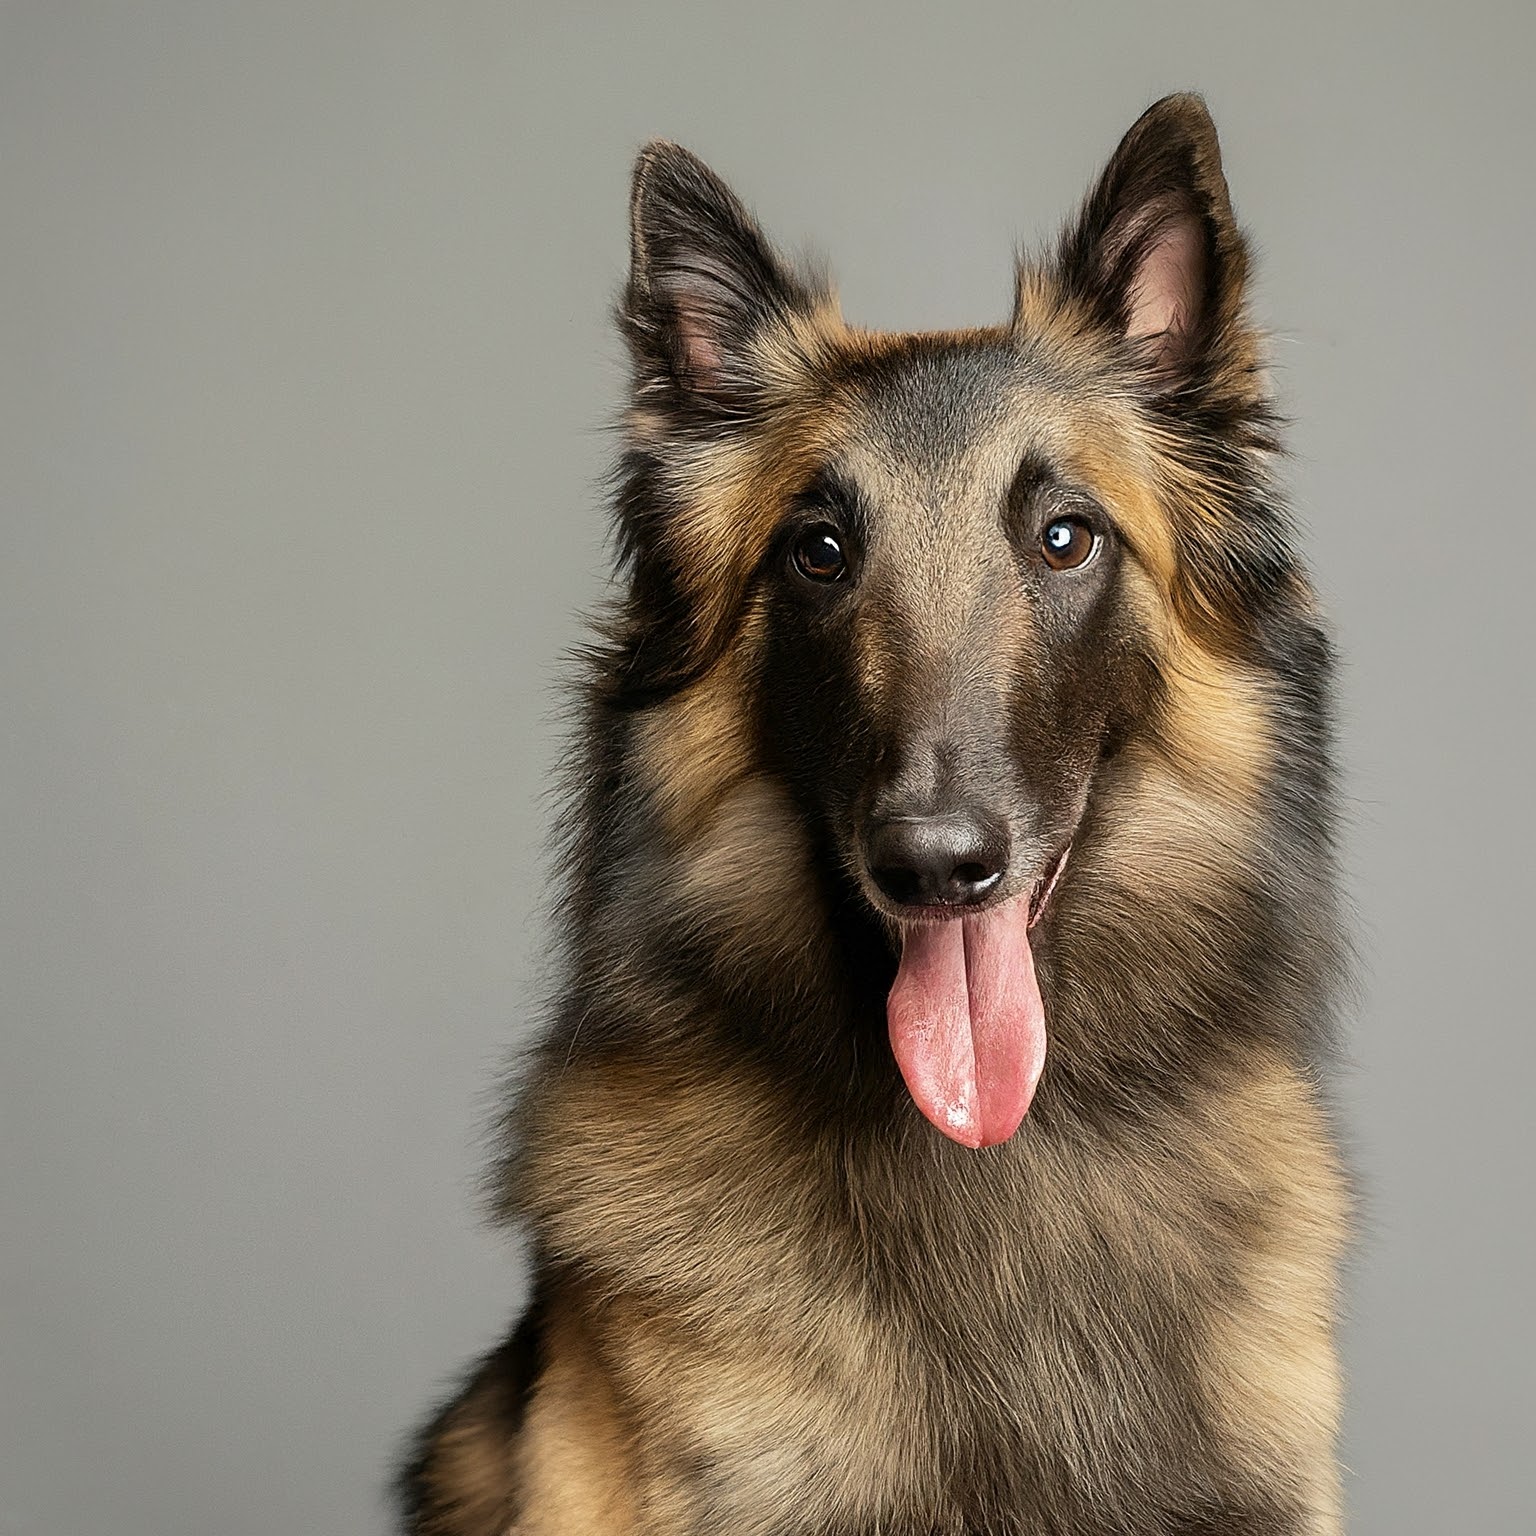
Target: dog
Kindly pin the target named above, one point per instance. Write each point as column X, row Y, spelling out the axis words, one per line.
column 932, row 1138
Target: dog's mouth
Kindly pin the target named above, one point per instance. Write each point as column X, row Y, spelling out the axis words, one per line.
column 1045, row 887
column 965, row 1015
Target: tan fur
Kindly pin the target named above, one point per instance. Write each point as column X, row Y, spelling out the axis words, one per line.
column 1271, row 1366
column 773, row 1297
column 473, row 1472
column 575, row 1461
column 731, row 495
column 751, row 1354
column 693, row 749
column 755, row 1363
column 1215, row 720
column 1110, row 452
column 746, row 876
column 1170, row 842
column 1215, row 725
column 914, row 639
column 759, row 1361
column 730, row 498
column 742, row 853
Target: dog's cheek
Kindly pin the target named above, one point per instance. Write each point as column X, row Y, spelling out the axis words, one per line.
column 1090, row 688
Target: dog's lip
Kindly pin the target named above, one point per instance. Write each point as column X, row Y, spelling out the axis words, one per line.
column 1045, row 886
column 1038, row 894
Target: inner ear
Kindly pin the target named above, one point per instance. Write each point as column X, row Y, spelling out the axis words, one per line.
column 710, row 308
column 704, row 284
column 1167, row 290
column 699, row 356
column 1155, row 252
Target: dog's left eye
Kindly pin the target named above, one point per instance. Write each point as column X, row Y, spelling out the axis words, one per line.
column 818, row 554
column 1067, row 543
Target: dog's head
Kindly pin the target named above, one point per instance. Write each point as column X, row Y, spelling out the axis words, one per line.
column 912, row 593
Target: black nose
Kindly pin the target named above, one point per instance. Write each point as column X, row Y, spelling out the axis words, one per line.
column 949, row 860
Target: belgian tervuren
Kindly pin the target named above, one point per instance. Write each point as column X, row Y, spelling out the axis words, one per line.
column 930, row 1141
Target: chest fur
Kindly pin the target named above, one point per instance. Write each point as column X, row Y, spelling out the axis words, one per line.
column 907, row 1335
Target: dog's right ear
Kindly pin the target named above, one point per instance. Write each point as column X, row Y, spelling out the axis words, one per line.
column 704, row 286
column 1156, row 254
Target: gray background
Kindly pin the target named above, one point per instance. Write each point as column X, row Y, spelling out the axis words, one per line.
column 305, row 370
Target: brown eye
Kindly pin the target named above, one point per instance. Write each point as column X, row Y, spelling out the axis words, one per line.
column 818, row 554
column 1068, row 543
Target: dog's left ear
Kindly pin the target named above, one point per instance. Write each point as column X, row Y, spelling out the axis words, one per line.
column 1155, row 252
column 704, row 286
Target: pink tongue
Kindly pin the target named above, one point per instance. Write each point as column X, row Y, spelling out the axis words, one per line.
column 967, row 1023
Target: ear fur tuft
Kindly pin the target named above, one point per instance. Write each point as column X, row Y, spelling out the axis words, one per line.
column 703, row 282
column 1155, row 251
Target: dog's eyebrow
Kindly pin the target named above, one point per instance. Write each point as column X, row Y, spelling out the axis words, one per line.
column 1032, row 475
column 827, row 489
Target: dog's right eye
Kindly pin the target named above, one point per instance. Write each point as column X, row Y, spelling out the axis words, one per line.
column 818, row 555
column 1068, row 543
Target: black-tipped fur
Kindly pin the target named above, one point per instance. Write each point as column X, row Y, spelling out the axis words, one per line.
column 778, row 1302
column 703, row 283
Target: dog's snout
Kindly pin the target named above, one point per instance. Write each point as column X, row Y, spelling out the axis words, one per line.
column 947, row 860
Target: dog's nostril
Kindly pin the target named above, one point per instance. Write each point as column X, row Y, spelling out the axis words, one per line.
column 950, row 860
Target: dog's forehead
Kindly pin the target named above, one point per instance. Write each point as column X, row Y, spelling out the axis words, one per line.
column 942, row 423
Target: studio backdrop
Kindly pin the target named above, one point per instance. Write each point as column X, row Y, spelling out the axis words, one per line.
column 306, row 381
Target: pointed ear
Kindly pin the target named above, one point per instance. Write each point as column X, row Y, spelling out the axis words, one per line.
column 1155, row 251
column 703, row 283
